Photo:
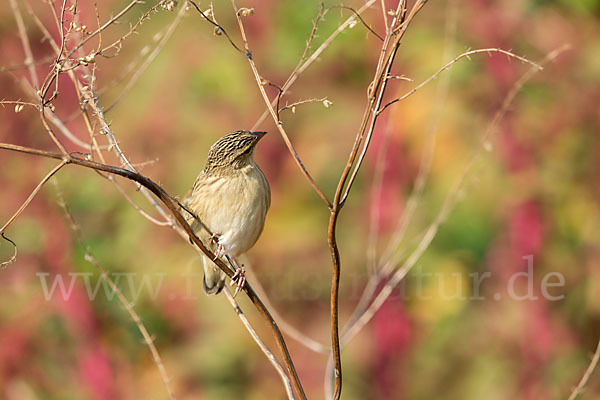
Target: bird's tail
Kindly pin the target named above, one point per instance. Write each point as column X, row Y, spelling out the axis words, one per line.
column 214, row 278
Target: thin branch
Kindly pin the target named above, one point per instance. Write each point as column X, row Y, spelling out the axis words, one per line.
column 19, row 104
column 219, row 30
column 117, row 44
column 86, row 95
column 29, row 60
column 293, row 332
column 32, row 195
column 284, row 378
column 140, row 70
column 293, row 105
column 124, row 302
column 586, row 376
column 105, row 25
column 11, row 260
column 314, row 56
column 454, row 61
column 428, row 152
column 362, row 21
column 379, row 86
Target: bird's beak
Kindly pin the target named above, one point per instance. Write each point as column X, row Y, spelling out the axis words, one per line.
column 259, row 135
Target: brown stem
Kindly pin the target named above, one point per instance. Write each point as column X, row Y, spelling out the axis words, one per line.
column 335, row 285
column 376, row 92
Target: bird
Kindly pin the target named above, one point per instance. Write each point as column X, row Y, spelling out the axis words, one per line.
column 230, row 197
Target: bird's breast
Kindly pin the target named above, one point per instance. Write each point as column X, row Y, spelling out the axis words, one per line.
column 235, row 207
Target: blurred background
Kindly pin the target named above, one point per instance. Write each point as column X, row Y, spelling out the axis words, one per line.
column 529, row 205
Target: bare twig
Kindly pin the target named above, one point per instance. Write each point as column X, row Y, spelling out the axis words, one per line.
column 586, row 376
column 29, row 60
column 89, row 256
column 419, row 185
column 12, row 259
column 293, row 105
column 362, row 21
column 288, row 328
column 105, row 25
column 455, row 60
column 303, row 66
column 284, row 378
column 140, row 70
column 218, row 28
column 117, row 44
column 32, row 195
column 19, row 104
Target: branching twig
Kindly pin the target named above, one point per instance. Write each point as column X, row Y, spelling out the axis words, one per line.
column 140, row 70
column 278, row 124
column 292, row 106
column 455, row 60
column 375, row 96
column 448, row 204
column 105, row 25
column 360, row 18
column 218, row 28
column 303, row 66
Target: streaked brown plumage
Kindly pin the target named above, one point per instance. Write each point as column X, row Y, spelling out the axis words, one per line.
column 231, row 196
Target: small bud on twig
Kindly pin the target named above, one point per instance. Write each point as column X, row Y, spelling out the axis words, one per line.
column 246, row 12
column 169, row 5
column 352, row 23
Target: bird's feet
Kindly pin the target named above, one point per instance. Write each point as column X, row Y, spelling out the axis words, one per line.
column 220, row 249
column 239, row 278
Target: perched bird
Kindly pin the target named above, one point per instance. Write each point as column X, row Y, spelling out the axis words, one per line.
column 231, row 197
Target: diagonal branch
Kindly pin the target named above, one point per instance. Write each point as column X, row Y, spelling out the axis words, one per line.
column 32, row 195
column 124, row 302
column 284, row 378
column 454, row 61
column 174, row 208
column 586, row 376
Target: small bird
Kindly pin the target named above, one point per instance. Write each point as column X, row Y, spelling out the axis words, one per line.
column 231, row 197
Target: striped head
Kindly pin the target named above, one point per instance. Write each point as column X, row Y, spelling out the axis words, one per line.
column 233, row 150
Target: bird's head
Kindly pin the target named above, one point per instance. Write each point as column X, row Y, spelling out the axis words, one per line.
column 233, row 150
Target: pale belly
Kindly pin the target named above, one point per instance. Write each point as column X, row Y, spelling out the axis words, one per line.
column 235, row 208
